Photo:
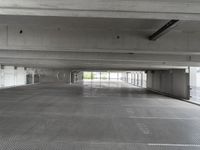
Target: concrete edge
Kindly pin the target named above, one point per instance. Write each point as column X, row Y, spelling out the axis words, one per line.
column 172, row 96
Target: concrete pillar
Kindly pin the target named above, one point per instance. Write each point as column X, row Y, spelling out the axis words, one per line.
column 9, row 76
column 33, row 78
column 194, row 77
column 70, row 78
column 138, row 78
column 142, row 75
column 0, row 76
column 117, row 76
column 91, row 75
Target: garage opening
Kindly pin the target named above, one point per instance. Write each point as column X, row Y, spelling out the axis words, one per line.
column 169, row 82
column 135, row 78
column 12, row 76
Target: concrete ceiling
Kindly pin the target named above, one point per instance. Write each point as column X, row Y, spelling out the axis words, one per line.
column 85, row 22
column 98, row 34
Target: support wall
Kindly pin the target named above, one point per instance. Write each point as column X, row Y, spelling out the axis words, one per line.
column 54, row 75
column 174, row 83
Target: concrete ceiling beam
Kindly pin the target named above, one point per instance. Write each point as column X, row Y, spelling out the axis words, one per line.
column 177, row 9
column 87, row 64
column 42, row 38
column 100, row 56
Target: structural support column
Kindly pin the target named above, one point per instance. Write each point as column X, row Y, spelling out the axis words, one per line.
column 142, row 76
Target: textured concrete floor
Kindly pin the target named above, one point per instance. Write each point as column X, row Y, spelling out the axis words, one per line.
column 95, row 116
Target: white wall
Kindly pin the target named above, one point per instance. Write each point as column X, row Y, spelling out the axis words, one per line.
column 171, row 82
column 11, row 76
column 194, row 76
column 16, row 76
column 20, row 76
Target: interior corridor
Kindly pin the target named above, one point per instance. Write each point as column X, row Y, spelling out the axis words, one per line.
column 95, row 115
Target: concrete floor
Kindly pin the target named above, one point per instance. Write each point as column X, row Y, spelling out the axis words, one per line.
column 95, row 116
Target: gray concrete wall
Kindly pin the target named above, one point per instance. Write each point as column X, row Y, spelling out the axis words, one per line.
column 54, row 75
column 173, row 83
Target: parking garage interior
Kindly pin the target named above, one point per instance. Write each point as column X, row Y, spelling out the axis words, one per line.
column 99, row 75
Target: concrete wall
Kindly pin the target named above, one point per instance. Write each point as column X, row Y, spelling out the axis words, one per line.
column 173, row 83
column 54, row 75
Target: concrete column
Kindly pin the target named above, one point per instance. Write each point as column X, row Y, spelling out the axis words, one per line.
column 138, row 79
column 33, row 78
column 193, row 81
column 70, row 77
column 9, row 76
column 127, row 77
column 142, row 79
column 15, row 76
column 91, row 76
column 0, row 76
